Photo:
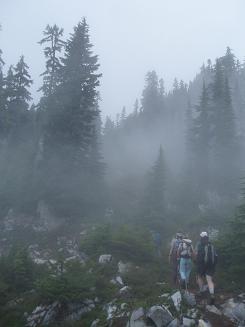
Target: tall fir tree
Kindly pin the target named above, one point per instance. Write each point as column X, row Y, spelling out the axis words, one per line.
column 225, row 147
column 70, row 140
column 154, row 202
column 202, row 142
column 151, row 104
column 54, row 46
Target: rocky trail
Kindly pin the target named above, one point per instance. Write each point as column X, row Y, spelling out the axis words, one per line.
column 165, row 307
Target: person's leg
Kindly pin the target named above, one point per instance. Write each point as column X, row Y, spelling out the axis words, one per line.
column 200, row 282
column 188, row 268
column 183, row 271
column 182, row 268
column 210, row 284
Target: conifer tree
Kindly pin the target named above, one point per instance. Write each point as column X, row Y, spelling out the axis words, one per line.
column 71, row 149
column 225, row 147
column 201, row 145
column 151, row 98
column 53, row 39
column 154, row 200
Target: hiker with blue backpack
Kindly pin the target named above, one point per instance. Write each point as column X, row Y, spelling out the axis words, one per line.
column 206, row 260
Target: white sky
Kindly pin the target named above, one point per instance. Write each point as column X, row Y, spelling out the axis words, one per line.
column 131, row 37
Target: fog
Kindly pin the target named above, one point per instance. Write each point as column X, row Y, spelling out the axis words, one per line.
column 131, row 37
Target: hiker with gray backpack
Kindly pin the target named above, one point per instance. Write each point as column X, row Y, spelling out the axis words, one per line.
column 185, row 255
column 173, row 256
column 206, row 260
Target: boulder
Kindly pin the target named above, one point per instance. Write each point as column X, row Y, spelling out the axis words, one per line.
column 137, row 319
column 77, row 310
column 202, row 323
column 95, row 323
column 177, row 298
column 239, row 313
column 213, row 309
column 190, row 298
column 111, row 309
column 123, row 268
column 125, row 290
column 119, row 280
column 174, row 323
column 160, row 315
column 228, row 307
column 43, row 315
column 192, row 313
column 188, row 322
column 105, row 258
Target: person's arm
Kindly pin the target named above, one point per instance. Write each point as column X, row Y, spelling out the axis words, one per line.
column 171, row 250
column 193, row 253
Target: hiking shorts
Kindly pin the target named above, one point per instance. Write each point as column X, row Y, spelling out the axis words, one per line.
column 203, row 270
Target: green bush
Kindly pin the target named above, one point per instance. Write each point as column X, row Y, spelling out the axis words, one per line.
column 123, row 242
column 74, row 284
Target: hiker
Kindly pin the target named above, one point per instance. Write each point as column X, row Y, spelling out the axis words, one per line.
column 173, row 258
column 206, row 259
column 185, row 254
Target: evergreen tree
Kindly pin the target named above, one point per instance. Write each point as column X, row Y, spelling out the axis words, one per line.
column 70, row 141
column 109, row 126
column 202, row 141
column 229, row 62
column 225, row 147
column 19, row 146
column 53, row 39
column 3, row 121
column 18, row 83
column 231, row 247
column 154, row 199
column 150, row 101
column 136, row 108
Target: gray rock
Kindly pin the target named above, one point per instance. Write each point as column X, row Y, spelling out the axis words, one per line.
column 213, row 309
column 192, row 313
column 160, row 315
column 43, row 315
column 190, row 298
column 174, row 323
column 95, row 323
column 124, row 290
column 165, row 295
column 119, row 280
column 239, row 312
column 105, row 258
column 177, row 298
column 137, row 314
column 188, row 322
column 202, row 323
column 137, row 319
column 111, row 310
column 228, row 307
column 77, row 310
column 123, row 268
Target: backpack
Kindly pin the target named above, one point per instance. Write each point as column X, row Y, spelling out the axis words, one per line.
column 185, row 250
column 206, row 254
column 210, row 255
column 176, row 245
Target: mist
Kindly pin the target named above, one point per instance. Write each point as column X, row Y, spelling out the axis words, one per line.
column 122, row 153
column 172, row 37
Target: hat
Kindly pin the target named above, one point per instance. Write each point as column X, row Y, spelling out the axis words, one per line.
column 204, row 234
